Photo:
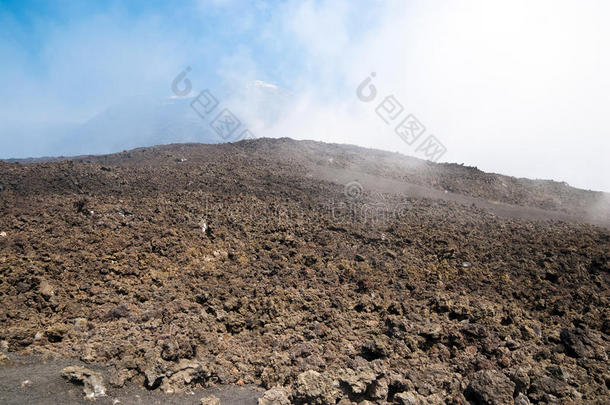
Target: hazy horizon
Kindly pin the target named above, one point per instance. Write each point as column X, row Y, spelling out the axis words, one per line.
column 517, row 88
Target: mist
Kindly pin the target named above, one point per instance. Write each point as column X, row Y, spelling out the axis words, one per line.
column 518, row 88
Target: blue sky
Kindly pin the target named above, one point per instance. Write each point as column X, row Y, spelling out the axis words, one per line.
column 95, row 52
column 519, row 87
column 111, row 49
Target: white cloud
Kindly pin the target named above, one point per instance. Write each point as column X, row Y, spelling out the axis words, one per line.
column 519, row 87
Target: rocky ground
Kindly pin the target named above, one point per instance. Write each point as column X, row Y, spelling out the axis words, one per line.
column 34, row 380
column 193, row 266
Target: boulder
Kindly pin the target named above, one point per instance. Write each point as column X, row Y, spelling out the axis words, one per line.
column 275, row 396
column 93, row 383
column 490, row 387
column 409, row 398
column 580, row 343
column 316, row 389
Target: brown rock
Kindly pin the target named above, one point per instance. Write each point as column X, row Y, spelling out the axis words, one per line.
column 409, row 398
column 317, row 389
column 379, row 389
column 490, row 387
column 581, row 343
column 522, row 400
column 275, row 396
column 357, row 380
column 46, row 290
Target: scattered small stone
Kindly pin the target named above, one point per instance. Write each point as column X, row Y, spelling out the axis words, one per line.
column 93, row 383
column 4, row 359
column 26, row 383
column 210, row 400
column 2, row 234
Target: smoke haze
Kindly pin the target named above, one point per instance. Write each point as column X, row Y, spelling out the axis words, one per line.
column 519, row 88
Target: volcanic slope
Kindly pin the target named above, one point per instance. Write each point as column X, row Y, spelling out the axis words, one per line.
column 333, row 271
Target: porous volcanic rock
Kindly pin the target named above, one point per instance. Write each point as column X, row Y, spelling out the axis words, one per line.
column 295, row 284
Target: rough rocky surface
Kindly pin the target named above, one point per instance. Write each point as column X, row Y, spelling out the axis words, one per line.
column 191, row 266
column 36, row 380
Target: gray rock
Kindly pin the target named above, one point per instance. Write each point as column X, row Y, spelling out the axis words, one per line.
column 93, row 383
